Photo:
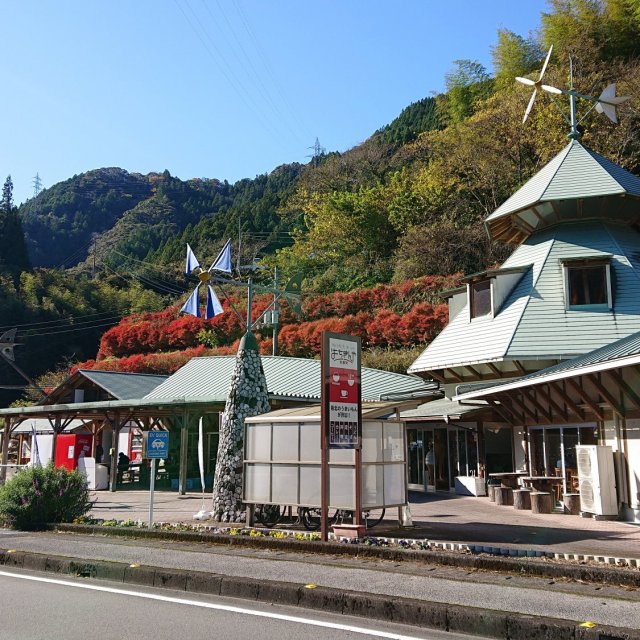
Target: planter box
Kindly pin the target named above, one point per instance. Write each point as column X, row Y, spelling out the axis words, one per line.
column 470, row 486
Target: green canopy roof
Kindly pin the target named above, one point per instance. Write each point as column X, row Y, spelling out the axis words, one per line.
column 577, row 184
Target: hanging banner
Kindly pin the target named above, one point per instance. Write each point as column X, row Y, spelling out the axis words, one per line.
column 341, row 389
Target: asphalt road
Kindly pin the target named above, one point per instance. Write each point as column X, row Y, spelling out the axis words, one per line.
column 41, row 606
column 532, row 596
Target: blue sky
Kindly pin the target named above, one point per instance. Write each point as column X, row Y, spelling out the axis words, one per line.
column 221, row 88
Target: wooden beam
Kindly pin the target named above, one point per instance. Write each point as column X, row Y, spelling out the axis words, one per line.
column 454, row 375
column 546, row 389
column 6, row 435
column 619, row 380
column 533, row 399
column 613, row 403
column 587, row 400
column 502, row 410
column 535, row 212
column 561, row 391
column 508, row 401
column 474, row 372
column 523, row 404
column 494, row 369
column 519, row 367
column 437, row 376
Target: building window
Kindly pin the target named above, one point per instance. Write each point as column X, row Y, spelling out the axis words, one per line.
column 588, row 285
column 480, row 293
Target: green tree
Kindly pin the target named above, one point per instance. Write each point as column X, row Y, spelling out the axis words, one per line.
column 513, row 56
column 6, row 204
column 467, row 85
column 13, row 251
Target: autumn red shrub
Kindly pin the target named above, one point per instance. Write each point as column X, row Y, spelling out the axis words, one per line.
column 394, row 315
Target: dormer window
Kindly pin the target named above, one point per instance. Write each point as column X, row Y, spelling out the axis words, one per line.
column 480, row 298
column 588, row 284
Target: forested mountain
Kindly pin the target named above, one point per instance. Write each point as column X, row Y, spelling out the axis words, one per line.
column 406, row 203
column 119, row 215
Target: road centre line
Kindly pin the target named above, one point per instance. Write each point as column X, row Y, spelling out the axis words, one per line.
column 217, row 607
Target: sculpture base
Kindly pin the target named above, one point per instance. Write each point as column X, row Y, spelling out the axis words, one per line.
column 350, row 531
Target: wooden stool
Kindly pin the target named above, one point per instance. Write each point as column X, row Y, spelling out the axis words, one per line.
column 541, row 502
column 522, row 499
column 503, row 496
column 490, row 492
column 571, row 503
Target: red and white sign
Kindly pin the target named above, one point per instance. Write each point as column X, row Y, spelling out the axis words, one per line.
column 342, row 355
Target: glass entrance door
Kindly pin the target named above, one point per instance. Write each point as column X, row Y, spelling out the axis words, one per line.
column 415, row 445
column 441, row 448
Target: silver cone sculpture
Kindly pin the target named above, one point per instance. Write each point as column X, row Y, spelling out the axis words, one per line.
column 247, row 397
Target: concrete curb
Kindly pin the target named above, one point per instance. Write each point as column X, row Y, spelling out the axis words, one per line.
column 561, row 567
column 419, row 613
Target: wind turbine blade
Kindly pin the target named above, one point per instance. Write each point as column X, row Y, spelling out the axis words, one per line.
column 223, row 261
column 192, row 262
column 529, row 106
column 530, row 83
column 192, row 305
column 609, row 96
column 214, row 308
column 609, row 110
column 546, row 62
column 550, row 89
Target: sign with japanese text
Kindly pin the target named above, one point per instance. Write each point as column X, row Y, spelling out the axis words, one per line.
column 342, row 386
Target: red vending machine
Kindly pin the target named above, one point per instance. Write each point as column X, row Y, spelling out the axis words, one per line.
column 69, row 447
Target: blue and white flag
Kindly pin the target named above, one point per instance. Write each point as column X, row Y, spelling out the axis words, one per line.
column 192, row 305
column 223, row 261
column 192, row 261
column 214, row 308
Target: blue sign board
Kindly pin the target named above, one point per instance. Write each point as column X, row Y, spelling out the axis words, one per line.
column 156, row 444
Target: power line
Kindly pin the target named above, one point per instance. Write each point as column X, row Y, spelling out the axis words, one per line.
column 102, row 315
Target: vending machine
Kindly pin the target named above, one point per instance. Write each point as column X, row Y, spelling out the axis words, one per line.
column 70, row 446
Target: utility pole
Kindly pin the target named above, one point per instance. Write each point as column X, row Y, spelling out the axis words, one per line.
column 275, row 314
column 37, row 185
column 318, row 151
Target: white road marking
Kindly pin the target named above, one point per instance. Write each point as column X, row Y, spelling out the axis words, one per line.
column 217, row 607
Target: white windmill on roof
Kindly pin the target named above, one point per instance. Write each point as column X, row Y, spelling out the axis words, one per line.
column 606, row 102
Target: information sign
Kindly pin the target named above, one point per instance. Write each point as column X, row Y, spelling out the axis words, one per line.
column 155, row 445
column 342, row 354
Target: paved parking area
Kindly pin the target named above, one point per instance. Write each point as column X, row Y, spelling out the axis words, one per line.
column 441, row 517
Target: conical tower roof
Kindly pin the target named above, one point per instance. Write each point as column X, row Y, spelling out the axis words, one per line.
column 577, row 184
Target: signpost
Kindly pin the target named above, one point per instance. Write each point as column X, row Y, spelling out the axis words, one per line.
column 155, row 446
column 341, row 412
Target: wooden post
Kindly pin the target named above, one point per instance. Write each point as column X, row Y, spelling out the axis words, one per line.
column 115, row 436
column 184, row 443
column 6, row 435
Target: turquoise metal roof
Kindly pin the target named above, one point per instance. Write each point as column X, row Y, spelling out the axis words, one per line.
column 123, row 386
column 291, row 378
column 625, row 352
column 578, row 183
column 533, row 323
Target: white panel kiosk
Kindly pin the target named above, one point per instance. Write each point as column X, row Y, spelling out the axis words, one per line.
column 282, row 460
